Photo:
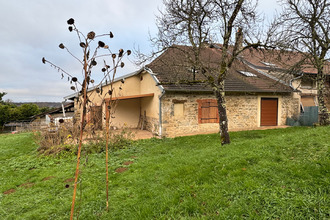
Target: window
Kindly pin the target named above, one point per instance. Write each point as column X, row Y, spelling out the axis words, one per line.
column 268, row 64
column 178, row 110
column 208, row 111
column 248, row 74
column 308, row 83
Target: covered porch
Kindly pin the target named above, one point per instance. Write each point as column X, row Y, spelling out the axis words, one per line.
column 130, row 112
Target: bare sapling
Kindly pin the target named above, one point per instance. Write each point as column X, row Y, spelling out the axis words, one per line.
column 88, row 93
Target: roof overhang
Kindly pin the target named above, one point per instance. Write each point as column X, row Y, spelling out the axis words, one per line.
column 130, row 97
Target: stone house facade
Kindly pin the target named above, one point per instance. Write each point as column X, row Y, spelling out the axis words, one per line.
column 181, row 112
column 157, row 99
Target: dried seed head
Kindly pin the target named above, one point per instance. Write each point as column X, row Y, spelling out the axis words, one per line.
column 129, row 52
column 82, row 44
column 121, row 51
column 101, row 44
column 70, row 28
column 122, row 81
column 111, row 34
column 104, row 69
column 93, row 63
column 61, row 120
column 91, row 35
column 92, row 81
column 122, row 64
column 74, row 79
column 108, row 67
column 43, row 60
column 97, row 90
column 106, row 47
column 113, row 56
column 110, row 92
column 73, row 88
column 70, row 21
column 61, row 46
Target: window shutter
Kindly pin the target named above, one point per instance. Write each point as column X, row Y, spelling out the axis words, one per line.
column 214, row 115
column 207, row 111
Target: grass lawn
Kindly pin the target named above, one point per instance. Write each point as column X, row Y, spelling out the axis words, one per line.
column 270, row 174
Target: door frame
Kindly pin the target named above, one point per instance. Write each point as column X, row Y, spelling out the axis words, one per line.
column 279, row 109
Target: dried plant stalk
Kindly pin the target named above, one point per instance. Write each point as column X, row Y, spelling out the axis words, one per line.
column 81, row 135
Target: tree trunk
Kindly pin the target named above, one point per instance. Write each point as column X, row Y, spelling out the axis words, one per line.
column 323, row 111
column 223, row 120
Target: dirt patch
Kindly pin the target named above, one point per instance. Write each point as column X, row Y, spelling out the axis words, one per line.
column 120, row 169
column 10, row 191
column 69, row 180
column 128, row 163
column 48, row 178
column 26, row 185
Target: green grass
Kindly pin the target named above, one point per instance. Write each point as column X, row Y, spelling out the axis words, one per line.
column 271, row 174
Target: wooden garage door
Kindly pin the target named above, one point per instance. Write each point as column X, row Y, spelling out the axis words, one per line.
column 269, row 108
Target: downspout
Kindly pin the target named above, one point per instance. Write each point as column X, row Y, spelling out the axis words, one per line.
column 291, row 80
column 160, row 113
column 160, row 99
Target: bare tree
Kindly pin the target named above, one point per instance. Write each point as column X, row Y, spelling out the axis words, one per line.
column 194, row 22
column 304, row 27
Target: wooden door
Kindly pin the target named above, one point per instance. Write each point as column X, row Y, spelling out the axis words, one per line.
column 96, row 117
column 269, row 112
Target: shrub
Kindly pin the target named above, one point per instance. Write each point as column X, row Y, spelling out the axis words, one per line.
column 64, row 139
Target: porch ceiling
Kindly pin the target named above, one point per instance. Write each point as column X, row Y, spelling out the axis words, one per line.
column 131, row 97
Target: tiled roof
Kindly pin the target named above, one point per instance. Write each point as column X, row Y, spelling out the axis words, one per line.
column 278, row 60
column 175, row 72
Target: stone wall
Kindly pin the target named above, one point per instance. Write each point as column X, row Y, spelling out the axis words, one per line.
column 243, row 112
column 290, row 108
column 152, row 125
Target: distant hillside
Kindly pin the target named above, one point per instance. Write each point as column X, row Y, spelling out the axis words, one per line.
column 42, row 104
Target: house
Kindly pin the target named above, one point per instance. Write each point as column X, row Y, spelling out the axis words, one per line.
column 170, row 98
column 65, row 112
column 43, row 120
column 276, row 64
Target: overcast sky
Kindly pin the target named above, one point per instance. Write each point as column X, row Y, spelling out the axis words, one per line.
column 33, row 29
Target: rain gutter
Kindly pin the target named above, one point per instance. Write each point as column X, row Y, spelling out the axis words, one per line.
column 291, row 80
column 153, row 75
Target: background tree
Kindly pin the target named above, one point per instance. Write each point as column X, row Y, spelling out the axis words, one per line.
column 28, row 110
column 11, row 112
column 304, row 27
column 2, row 94
column 194, row 22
